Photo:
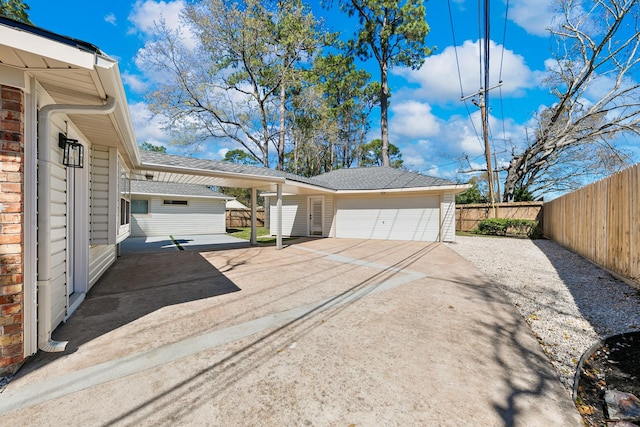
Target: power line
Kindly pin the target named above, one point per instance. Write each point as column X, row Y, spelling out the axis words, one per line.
column 479, row 41
column 504, row 43
column 455, row 49
column 504, row 39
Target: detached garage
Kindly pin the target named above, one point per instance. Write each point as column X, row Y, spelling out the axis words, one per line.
column 161, row 209
column 373, row 203
column 389, row 217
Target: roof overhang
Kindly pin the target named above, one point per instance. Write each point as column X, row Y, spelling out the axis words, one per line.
column 184, row 196
column 456, row 188
column 217, row 178
column 72, row 73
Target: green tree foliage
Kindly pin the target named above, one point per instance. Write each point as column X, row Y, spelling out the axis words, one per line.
column 472, row 195
column 243, row 195
column 314, row 133
column 240, row 157
column 522, row 195
column 393, row 32
column 350, row 97
column 298, row 37
column 230, row 84
column 371, row 155
column 15, row 9
column 147, row 146
column 329, row 116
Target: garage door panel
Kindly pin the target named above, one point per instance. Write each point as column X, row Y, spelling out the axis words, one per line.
column 390, row 218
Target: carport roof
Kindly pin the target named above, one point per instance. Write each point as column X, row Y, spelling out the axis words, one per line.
column 188, row 170
column 171, row 168
column 173, row 189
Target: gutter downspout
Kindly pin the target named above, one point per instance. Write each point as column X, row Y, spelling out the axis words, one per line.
column 45, row 343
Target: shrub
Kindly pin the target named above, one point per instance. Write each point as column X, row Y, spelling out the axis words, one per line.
column 509, row 227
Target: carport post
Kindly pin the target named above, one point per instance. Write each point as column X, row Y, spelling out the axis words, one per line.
column 279, row 218
column 254, row 211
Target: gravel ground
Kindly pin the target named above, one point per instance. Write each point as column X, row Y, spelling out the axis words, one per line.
column 568, row 302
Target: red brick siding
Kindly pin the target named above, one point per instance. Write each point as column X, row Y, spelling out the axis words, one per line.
column 11, row 229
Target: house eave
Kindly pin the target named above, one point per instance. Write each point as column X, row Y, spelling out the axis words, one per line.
column 261, row 179
column 182, row 196
column 72, row 72
column 456, row 188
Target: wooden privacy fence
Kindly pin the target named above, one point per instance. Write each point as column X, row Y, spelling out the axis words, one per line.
column 601, row 222
column 468, row 216
column 242, row 218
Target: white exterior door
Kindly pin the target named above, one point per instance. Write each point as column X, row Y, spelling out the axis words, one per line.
column 389, row 218
column 71, row 231
column 316, row 217
column 77, row 238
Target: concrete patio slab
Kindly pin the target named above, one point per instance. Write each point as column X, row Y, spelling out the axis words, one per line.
column 324, row 332
column 200, row 242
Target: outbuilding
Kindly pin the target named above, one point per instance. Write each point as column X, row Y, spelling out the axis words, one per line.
column 162, row 208
column 373, row 203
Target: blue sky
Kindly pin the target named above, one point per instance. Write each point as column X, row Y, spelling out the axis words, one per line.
column 432, row 127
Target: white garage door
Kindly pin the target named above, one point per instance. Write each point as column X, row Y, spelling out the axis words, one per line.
column 389, row 218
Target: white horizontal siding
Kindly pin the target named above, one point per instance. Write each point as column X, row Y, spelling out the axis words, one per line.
column 123, row 189
column 294, row 215
column 389, row 217
column 200, row 216
column 328, row 216
column 99, row 195
column 100, row 259
column 448, row 206
column 58, row 232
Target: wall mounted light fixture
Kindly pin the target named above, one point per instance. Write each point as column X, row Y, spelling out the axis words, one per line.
column 73, row 155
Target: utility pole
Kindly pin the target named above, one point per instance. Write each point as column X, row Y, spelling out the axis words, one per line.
column 487, row 151
column 483, row 94
column 485, row 136
column 497, row 176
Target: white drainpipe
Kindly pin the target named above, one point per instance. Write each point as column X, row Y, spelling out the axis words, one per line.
column 45, row 343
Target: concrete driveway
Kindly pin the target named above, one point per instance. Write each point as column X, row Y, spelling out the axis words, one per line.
column 324, row 332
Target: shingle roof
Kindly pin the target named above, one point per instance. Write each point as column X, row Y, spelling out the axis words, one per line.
column 377, row 178
column 371, row 178
column 172, row 189
column 214, row 165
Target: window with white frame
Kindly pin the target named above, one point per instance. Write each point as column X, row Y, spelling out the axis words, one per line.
column 139, row 207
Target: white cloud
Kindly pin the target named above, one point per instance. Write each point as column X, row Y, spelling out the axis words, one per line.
column 147, row 127
column 110, row 18
column 459, row 145
column 413, row 119
column 534, row 16
column 438, row 76
column 135, row 82
column 222, row 152
column 147, row 13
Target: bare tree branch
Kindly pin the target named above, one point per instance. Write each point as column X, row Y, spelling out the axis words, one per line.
column 597, row 51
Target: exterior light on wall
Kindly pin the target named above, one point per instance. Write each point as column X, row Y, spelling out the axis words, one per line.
column 149, row 176
column 73, row 155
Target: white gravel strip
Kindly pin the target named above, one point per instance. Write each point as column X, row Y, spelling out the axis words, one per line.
column 568, row 302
